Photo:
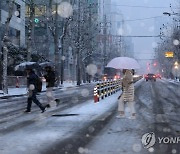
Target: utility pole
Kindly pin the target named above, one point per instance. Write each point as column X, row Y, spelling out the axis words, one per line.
column 91, row 40
column 78, row 47
column 56, row 44
column 105, row 38
column 64, row 28
column 62, row 56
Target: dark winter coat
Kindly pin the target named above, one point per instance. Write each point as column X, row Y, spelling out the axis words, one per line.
column 50, row 78
column 32, row 79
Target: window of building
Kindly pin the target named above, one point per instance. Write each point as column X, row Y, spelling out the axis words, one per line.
column 27, row 12
column 4, row 5
column 40, row 10
column 14, row 36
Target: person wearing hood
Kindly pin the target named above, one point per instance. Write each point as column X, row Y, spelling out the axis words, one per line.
column 127, row 95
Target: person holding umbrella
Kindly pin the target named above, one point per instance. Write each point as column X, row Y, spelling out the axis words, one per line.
column 127, row 94
column 50, row 83
column 32, row 80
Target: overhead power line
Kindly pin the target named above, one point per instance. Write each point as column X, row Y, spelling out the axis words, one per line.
column 139, row 36
column 141, row 19
column 145, row 18
column 150, row 7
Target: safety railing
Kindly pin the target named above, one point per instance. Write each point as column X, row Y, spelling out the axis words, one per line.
column 104, row 89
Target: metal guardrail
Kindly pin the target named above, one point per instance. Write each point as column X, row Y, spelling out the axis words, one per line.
column 106, row 88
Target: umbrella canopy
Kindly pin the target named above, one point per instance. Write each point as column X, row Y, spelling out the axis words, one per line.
column 45, row 64
column 25, row 65
column 123, row 63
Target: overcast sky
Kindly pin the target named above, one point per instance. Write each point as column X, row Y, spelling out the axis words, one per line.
column 144, row 46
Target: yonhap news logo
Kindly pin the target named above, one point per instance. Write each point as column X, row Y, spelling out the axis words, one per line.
column 149, row 140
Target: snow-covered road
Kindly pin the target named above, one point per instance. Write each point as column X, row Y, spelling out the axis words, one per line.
column 158, row 108
column 92, row 128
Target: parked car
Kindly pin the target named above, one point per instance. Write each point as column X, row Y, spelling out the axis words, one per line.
column 158, row 76
column 150, row 76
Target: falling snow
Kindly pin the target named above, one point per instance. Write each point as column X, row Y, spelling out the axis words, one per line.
column 65, row 9
column 154, row 44
column 174, row 151
column 16, row 13
column 85, row 36
column 31, row 87
column 151, row 149
column 176, row 42
column 85, row 92
column 137, row 147
column 91, row 69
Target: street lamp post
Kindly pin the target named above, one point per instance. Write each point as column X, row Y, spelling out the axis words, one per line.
column 176, row 68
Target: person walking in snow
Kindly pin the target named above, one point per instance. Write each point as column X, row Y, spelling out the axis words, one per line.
column 50, row 82
column 32, row 80
column 127, row 95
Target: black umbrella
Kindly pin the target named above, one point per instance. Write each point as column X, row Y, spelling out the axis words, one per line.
column 27, row 65
column 45, row 64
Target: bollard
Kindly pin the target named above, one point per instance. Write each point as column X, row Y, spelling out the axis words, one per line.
column 109, row 88
column 102, row 90
column 17, row 82
column 105, row 89
column 111, row 84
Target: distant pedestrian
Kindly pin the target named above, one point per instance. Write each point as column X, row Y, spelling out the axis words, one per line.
column 127, row 95
column 50, row 83
column 32, row 80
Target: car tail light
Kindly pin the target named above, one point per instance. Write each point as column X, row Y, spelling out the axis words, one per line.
column 116, row 77
column 154, row 76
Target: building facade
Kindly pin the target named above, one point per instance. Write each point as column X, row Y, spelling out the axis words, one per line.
column 17, row 23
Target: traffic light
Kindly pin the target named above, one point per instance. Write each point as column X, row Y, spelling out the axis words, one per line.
column 36, row 20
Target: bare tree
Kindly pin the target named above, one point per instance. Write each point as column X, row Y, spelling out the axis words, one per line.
column 82, row 37
column 30, row 39
column 5, row 41
column 56, row 26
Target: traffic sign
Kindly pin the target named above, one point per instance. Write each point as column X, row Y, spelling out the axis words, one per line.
column 169, row 54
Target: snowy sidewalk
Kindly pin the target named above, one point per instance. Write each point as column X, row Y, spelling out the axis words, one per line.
column 23, row 90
